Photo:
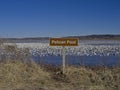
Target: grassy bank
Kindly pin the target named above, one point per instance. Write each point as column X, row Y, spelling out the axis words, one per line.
column 16, row 75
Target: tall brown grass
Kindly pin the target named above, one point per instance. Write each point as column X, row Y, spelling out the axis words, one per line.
column 16, row 75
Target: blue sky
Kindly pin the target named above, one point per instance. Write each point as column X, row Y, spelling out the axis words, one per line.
column 56, row 18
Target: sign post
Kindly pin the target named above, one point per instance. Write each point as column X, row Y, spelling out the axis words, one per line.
column 63, row 59
column 63, row 42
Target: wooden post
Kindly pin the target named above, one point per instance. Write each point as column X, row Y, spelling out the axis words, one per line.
column 63, row 59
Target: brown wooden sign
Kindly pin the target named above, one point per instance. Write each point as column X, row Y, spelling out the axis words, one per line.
column 63, row 42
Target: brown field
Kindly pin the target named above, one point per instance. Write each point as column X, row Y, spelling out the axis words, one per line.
column 16, row 75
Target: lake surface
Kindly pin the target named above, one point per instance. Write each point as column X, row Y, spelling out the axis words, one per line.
column 79, row 60
column 89, row 52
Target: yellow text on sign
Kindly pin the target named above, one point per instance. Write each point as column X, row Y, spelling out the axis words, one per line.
column 63, row 42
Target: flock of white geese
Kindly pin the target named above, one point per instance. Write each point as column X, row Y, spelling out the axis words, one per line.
column 43, row 49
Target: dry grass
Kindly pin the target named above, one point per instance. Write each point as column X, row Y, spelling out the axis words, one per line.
column 16, row 75
column 95, row 79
